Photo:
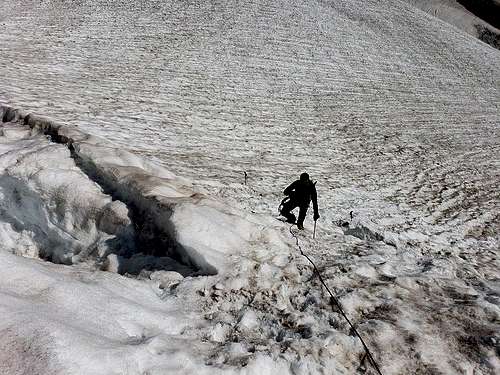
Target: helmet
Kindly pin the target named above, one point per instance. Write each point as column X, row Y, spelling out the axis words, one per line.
column 304, row 177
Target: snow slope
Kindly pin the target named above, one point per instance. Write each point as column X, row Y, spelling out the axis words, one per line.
column 478, row 18
column 264, row 312
column 394, row 112
column 96, row 207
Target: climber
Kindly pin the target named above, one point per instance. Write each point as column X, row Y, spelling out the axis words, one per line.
column 299, row 194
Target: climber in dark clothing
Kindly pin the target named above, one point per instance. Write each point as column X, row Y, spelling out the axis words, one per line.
column 300, row 194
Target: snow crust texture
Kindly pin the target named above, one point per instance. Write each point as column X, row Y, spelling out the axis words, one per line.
column 67, row 197
column 394, row 112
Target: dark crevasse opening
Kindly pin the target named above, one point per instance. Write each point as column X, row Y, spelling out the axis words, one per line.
column 140, row 248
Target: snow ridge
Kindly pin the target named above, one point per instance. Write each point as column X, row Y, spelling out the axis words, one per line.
column 157, row 203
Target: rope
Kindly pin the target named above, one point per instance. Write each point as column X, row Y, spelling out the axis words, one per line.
column 335, row 301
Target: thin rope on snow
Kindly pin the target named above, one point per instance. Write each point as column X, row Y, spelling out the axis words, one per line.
column 336, row 302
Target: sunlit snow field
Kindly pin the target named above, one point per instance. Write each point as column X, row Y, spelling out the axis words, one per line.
column 395, row 113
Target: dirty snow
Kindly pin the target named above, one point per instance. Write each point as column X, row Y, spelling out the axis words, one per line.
column 394, row 112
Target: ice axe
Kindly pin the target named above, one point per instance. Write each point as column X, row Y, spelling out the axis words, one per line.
column 314, row 231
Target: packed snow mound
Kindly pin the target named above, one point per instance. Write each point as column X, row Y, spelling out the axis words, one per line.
column 68, row 195
column 61, row 320
column 49, row 207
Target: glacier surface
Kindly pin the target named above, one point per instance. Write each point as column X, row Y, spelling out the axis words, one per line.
column 139, row 249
